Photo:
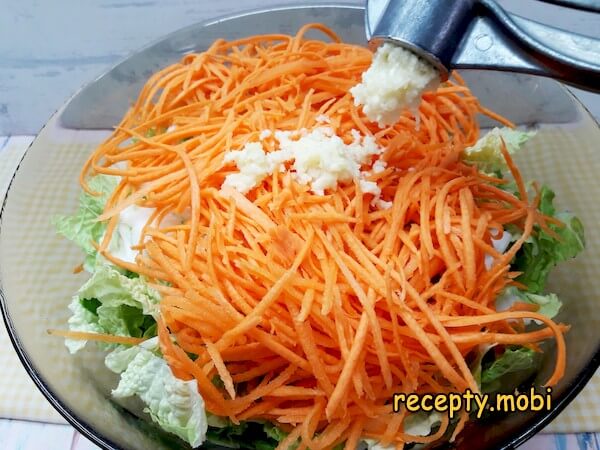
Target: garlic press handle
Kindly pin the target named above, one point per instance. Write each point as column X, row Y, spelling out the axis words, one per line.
column 584, row 5
column 498, row 40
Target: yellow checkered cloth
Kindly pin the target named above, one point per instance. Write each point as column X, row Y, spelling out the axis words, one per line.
column 19, row 398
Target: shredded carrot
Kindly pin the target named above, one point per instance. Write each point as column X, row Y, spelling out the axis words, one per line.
column 98, row 337
column 314, row 309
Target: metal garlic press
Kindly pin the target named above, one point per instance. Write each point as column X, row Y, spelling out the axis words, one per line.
column 479, row 34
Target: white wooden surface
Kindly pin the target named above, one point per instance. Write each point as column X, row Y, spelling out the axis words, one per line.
column 50, row 49
column 22, row 435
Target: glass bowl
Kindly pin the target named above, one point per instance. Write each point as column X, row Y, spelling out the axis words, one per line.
column 36, row 265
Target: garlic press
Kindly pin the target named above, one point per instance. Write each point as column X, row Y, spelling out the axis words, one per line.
column 480, row 34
